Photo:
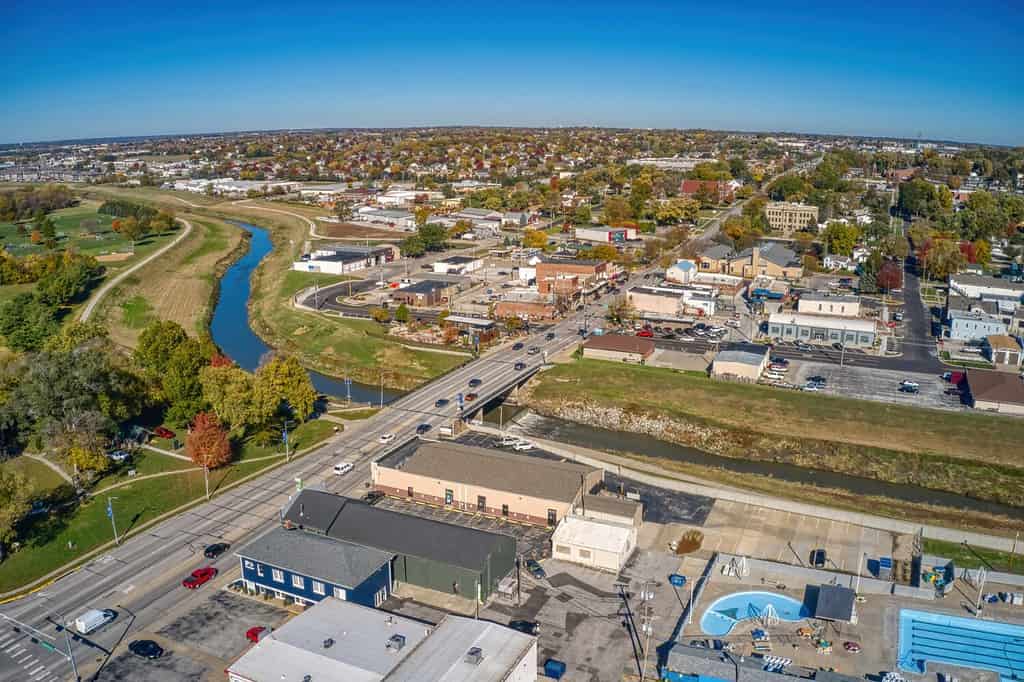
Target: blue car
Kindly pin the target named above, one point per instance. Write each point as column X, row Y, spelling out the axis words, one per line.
column 440, row 402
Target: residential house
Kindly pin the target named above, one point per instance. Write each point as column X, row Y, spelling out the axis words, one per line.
column 1003, row 351
column 996, row 391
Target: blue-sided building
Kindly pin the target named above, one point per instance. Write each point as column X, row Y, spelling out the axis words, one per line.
column 308, row 567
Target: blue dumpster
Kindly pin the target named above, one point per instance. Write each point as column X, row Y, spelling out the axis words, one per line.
column 554, row 669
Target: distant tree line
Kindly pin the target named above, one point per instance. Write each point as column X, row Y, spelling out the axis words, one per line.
column 20, row 204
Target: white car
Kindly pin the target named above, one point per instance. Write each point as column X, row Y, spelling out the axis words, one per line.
column 342, row 468
column 386, row 438
column 523, row 445
column 508, row 440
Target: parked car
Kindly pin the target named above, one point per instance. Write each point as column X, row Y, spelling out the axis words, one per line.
column 120, row 456
column 422, row 429
column 535, row 569
column 146, row 648
column 818, row 379
column 342, row 468
column 93, row 619
column 163, row 432
column 669, row 336
column 838, row 345
column 528, row 626
column 470, row 397
column 811, row 387
column 386, row 438
column 373, row 497
column 506, row 441
column 803, row 346
column 732, row 323
column 441, row 402
column 200, row 577
column 646, row 333
column 778, row 360
column 519, row 366
column 215, row 550
column 523, row 446
column 254, row 634
column 852, row 647
column 473, row 383
column 550, row 336
column 517, row 346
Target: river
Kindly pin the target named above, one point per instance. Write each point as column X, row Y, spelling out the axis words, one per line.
column 231, row 331
column 596, row 438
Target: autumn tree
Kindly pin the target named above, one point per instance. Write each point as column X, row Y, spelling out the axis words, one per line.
column 535, row 239
column 16, row 494
column 890, row 276
column 840, row 238
column 156, row 344
column 229, row 391
column 283, row 382
column 617, row 210
column 343, row 210
column 207, row 444
column 421, row 214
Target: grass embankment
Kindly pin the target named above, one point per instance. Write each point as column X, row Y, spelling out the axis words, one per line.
column 331, row 345
column 976, row 557
column 966, row 453
column 179, row 286
column 58, row 538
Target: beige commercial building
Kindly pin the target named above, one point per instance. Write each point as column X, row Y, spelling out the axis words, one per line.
column 619, row 347
column 603, row 545
column 493, row 482
column 787, row 217
column 746, row 364
column 824, row 304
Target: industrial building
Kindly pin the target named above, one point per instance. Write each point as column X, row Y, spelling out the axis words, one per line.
column 427, row 553
column 745, row 363
column 603, row 545
column 340, row 259
column 673, row 303
column 485, row 481
column 606, row 235
column 458, row 265
column 338, row 641
column 852, row 332
column 426, row 293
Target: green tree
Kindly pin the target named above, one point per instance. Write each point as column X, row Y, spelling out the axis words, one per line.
column 412, row 247
column 402, row 314
column 941, row 258
column 228, row 389
column 840, row 238
column 180, row 382
column 283, row 382
column 676, row 210
column 421, row 215
column 639, row 195
column 73, row 335
column 16, row 494
column 433, row 236
column 69, row 282
column 582, row 215
column 26, row 322
column 156, row 344
column 617, row 210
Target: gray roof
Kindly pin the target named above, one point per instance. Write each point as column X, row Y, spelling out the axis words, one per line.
column 776, row 253
column 425, row 286
column 986, row 281
column 606, row 504
column 316, row 556
column 824, row 296
column 740, row 356
column 488, row 468
column 458, row 260
column 314, row 510
column 835, row 602
column 717, row 252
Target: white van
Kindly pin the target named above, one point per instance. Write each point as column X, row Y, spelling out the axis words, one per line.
column 773, row 376
column 93, row 619
column 342, row 468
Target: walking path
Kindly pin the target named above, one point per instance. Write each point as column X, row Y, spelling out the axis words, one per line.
column 60, row 472
column 169, row 453
column 656, row 476
column 90, row 307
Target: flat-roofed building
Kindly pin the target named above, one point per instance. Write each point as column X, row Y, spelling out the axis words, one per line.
column 747, row 363
column 996, row 391
column 604, row 545
column 672, row 303
column 493, row 482
column 458, row 265
column 571, row 277
column 822, row 329
column 425, row 293
column 788, row 217
column 606, row 235
column 815, row 303
column 340, row 259
column 973, row 325
column 619, row 348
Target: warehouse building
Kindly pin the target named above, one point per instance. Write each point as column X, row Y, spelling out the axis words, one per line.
column 492, row 482
column 606, row 235
column 814, row 303
column 427, row 553
column 746, row 363
column 823, row 329
column 343, row 259
column 619, row 348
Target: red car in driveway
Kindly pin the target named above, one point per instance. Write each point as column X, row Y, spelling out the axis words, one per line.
column 646, row 333
column 163, row 432
column 200, row 577
column 253, row 633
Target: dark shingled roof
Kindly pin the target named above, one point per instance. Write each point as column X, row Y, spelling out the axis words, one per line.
column 314, row 510
column 316, row 556
column 621, row 343
column 835, row 602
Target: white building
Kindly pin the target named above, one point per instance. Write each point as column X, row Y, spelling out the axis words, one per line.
column 606, row 235
column 1006, row 293
column 682, row 272
column 822, row 329
column 402, row 219
column 603, row 545
column 814, row 303
column 458, row 265
column 344, row 259
column 672, row 303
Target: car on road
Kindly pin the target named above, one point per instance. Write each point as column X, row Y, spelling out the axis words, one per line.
column 898, row 317
column 422, row 428
column 119, row 456
column 801, row 345
column 535, row 569
column 93, row 619
column 146, row 648
column 814, row 388
column 530, row 627
column 163, row 432
column 550, row 336
column 473, row 383
column 441, row 402
column 200, row 577
column 508, row 440
column 817, row 379
column 732, row 323
column 646, row 333
column 519, row 366
column 215, row 550
column 342, row 468
column 373, row 497
column 254, row 634
column 818, row 558
column 470, row 397
column 669, row 336
column 523, row 446
column 533, row 350
column 909, row 388
column 838, row 345
column 386, row 438
column 778, row 360
column 517, row 345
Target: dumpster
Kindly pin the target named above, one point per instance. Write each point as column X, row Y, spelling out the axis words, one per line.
column 554, row 669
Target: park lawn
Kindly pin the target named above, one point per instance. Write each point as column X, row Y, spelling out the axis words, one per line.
column 305, row 435
column 42, row 478
column 144, row 462
column 295, row 281
column 161, row 198
column 177, row 286
column 975, row 557
column 140, row 501
column 763, row 409
column 355, row 415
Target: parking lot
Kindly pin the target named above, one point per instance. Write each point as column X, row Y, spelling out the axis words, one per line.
column 881, row 385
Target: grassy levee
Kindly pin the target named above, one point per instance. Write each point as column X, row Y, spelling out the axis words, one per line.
column 970, row 454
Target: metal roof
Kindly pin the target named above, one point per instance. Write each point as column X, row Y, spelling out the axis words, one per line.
column 740, row 356
column 334, row 561
column 835, row 602
column 600, row 535
column 314, row 510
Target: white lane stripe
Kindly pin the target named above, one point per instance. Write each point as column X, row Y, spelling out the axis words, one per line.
column 36, row 671
column 41, row 676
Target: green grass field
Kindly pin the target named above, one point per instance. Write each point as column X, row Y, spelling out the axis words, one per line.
column 135, row 312
column 975, row 557
column 42, row 478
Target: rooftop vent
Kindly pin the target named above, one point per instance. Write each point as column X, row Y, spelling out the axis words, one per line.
column 396, row 642
column 474, row 656
column 328, row 643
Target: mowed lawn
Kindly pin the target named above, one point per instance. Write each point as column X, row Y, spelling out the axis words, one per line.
column 764, row 409
column 42, row 479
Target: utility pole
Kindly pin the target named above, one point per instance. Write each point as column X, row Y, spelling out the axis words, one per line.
column 67, row 638
column 206, row 477
column 113, row 523
column 284, row 433
column 382, row 389
column 646, row 622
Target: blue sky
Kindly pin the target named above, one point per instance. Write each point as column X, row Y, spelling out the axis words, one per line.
column 85, row 69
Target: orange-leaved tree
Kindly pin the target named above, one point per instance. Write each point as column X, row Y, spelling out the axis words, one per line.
column 207, row 444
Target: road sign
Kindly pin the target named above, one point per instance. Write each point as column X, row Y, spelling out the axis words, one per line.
column 677, row 580
column 48, row 646
column 110, row 510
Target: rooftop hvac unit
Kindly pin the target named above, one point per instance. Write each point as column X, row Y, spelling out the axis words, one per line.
column 328, row 643
column 396, row 642
column 474, row 656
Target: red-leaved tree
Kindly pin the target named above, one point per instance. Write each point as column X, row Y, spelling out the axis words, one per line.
column 207, row 444
column 890, row 276
column 218, row 360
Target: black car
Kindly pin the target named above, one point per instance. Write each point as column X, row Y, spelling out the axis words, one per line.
column 533, row 350
column 837, row 345
column 473, row 383
column 535, row 569
column 776, row 360
column 517, row 346
column 528, row 626
column 215, row 550
column 700, row 325
column 440, row 402
column 146, row 648
column 910, row 388
column 669, row 336
column 818, row 558
column 519, row 366
column 422, row 428
column 550, row 336
column 817, row 379
column 373, row 497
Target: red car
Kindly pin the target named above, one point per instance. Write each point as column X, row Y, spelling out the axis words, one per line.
column 647, row 333
column 199, row 577
column 163, row 432
column 253, row 634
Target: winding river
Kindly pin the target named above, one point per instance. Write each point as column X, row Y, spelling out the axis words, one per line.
column 232, row 333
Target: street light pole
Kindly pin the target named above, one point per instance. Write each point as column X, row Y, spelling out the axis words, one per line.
column 67, row 637
column 46, row 645
column 287, row 448
column 206, row 478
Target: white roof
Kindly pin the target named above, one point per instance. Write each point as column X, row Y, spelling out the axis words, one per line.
column 358, row 654
column 599, row 535
column 823, row 321
column 442, row 658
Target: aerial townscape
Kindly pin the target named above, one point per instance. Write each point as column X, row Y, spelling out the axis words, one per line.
column 500, row 344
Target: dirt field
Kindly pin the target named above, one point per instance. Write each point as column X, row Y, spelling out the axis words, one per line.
column 176, row 287
column 343, row 230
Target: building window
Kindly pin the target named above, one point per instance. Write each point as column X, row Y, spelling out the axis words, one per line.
column 299, row 582
column 277, row 574
column 380, row 597
column 504, row 510
column 584, row 553
column 449, row 496
column 318, row 588
column 339, row 593
column 561, row 549
column 481, row 503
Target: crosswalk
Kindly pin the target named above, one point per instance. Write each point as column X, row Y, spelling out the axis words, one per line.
column 24, row 653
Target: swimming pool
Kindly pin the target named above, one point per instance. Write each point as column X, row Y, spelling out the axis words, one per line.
column 725, row 612
column 968, row 642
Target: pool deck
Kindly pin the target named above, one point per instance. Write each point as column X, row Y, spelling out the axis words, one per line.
column 877, row 629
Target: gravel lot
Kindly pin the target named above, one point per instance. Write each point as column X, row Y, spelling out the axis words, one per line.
column 217, row 627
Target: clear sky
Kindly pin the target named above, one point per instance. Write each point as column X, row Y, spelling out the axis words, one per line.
column 942, row 69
